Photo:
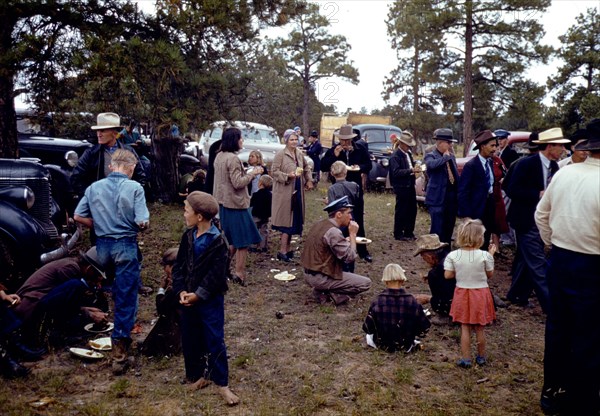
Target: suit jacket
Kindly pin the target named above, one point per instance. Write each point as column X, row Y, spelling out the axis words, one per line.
column 358, row 156
column 526, row 182
column 509, row 155
column 473, row 189
column 438, row 177
column 401, row 174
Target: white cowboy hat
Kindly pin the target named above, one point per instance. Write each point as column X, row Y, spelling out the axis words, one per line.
column 108, row 121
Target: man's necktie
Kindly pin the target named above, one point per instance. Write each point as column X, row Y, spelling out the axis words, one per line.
column 450, row 174
column 551, row 171
column 488, row 175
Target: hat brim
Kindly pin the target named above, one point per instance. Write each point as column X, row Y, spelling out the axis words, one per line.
column 446, row 139
column 412, row 142
column 530, row 146
column 422, row 249
column 553, row 141
column 94, row 264
column 106, row 127
column 587, row 145
column 345, row 136
column 478, row 146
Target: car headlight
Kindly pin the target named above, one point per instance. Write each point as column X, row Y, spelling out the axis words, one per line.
column 72, row 158
column 21, row 196
column 384, row 162
column 29, row 197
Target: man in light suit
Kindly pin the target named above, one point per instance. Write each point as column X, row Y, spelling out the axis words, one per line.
column 475, row 197
column 441, row 199
column 530, row 178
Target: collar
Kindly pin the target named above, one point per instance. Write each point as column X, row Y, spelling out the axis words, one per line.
column 592, row 161
column 482, row 159
column 545, row 160
column 212, row 231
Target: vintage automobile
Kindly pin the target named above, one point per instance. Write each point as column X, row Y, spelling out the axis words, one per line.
column 34, row 227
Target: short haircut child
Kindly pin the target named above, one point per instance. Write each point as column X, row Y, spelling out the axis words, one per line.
column 169, row 256
column 203, row 204
column 123, row 157
column 265, row 181
column 470, row 233
column 393, row 272
column 338, row 170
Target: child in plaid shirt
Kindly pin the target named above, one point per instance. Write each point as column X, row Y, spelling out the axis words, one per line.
column 395, row 317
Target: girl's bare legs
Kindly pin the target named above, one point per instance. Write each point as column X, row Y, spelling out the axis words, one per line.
column 284, row 245
column 240, row 262
column 465, row 341
column 480, row 336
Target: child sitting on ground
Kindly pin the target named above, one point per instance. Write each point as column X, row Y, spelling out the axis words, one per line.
column 395, row 317
column 473, row 305
column 261, row 211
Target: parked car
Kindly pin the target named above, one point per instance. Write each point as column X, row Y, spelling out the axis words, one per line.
column 35, row 228
column 380, row 150
column 256, row 137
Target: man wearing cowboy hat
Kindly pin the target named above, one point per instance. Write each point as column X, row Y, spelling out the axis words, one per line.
column 94, row 164
column 441, row 198
column 475, row 191
column 358, row 158
column 567, row 217
column 402, row 178
column 325, row 252
column 530, row 178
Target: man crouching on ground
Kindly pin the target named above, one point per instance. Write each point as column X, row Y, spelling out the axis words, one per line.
column 116, row 207
column 325, row 252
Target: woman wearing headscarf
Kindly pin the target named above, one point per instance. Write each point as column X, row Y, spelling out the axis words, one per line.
column 291, row 174
column 230, row 189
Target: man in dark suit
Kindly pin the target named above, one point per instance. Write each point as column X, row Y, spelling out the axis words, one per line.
column 402, row 177
column 441, row 199
column 359, row 162
column 528, row 182
column 475, row 197
column 507, row 153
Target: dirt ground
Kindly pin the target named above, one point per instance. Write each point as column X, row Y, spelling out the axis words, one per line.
column 312, row 359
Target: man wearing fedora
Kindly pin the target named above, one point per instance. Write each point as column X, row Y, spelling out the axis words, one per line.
column 442, row 187
column 94, row 164
column 528, row 182
column 325, row 252
column 475, row 191
column 357, row 157
column 402, row 178
column 567, row 217
column 577, row 156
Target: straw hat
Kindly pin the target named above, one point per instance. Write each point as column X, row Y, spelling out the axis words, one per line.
column 428, row 242
column 107, row 121
column 552, row 136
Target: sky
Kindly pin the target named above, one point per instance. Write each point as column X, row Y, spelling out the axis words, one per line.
column 363, row 25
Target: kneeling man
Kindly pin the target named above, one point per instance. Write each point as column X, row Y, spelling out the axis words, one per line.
column 325, row 252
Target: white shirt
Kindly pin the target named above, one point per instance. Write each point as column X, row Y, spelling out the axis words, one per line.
column 486, row 165
column 568, row 215
column 470, row 267
column 545, row 168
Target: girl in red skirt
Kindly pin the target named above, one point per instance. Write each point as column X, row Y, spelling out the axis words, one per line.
column 472, row 305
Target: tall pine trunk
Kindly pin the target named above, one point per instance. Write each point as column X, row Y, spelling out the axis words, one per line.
column 468, row 114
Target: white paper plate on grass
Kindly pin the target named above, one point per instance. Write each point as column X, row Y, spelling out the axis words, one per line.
column 101, row 344
column 87, row 354
column 284, row 276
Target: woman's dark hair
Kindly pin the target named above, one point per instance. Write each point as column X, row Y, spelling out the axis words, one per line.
column 230, row 141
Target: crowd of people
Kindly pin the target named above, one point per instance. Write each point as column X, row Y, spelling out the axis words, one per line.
column 535, row 201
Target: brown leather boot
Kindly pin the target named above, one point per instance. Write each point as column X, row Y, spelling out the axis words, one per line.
column 120, row 363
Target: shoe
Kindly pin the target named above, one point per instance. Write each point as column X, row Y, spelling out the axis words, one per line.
column 25, row 353
column 480, row 360
column 499, row 302
column 145, row 290
column 238, row 280
column 283, row 257
column 120, row 361
column 339, row 299
column 368, row 258
column 552, row 400
column 464, row 363
column 11, row 368
column 410, row 237
column 320, row 298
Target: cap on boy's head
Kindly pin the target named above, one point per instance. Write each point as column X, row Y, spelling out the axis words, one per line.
column 428, row 242
column 203, row 203
column 314, row 133
column 393, row 272
column 91, row 256
column 338, row 204
column 297, row 129
column 501, row 133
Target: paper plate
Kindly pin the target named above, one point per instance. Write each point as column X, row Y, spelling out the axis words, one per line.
column 101, row 344
column 85, row 353
column 284, row 276
column 90, row 328
column 352, row 168
column 363, row 240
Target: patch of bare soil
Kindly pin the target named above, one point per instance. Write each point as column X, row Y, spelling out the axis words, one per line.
column 290, row 356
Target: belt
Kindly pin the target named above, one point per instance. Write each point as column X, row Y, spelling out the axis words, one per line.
column 311, row 272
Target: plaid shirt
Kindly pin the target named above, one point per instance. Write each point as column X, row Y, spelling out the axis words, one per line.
column 395, row 318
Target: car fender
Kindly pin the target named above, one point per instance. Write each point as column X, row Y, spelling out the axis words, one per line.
column 23, row 231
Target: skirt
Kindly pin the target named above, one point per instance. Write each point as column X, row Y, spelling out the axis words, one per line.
column 473, row 306
column 239, row 227
column 297, row 214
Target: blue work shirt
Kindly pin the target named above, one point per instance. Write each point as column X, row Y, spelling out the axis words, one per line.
column 201, row 243
column 116, row 204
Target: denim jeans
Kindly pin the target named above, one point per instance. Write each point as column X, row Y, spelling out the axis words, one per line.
column 123, row 254
column 202, row 339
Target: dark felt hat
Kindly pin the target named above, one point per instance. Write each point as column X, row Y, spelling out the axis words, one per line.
column 483, row 137
column 531, row 145
column 501, row 133
column 338, row 204
column 444, row 134
column 593, row 136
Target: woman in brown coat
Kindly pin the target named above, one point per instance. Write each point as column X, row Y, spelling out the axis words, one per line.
column 291, row 174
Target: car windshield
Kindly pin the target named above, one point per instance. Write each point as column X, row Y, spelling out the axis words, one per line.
column 259, row 135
